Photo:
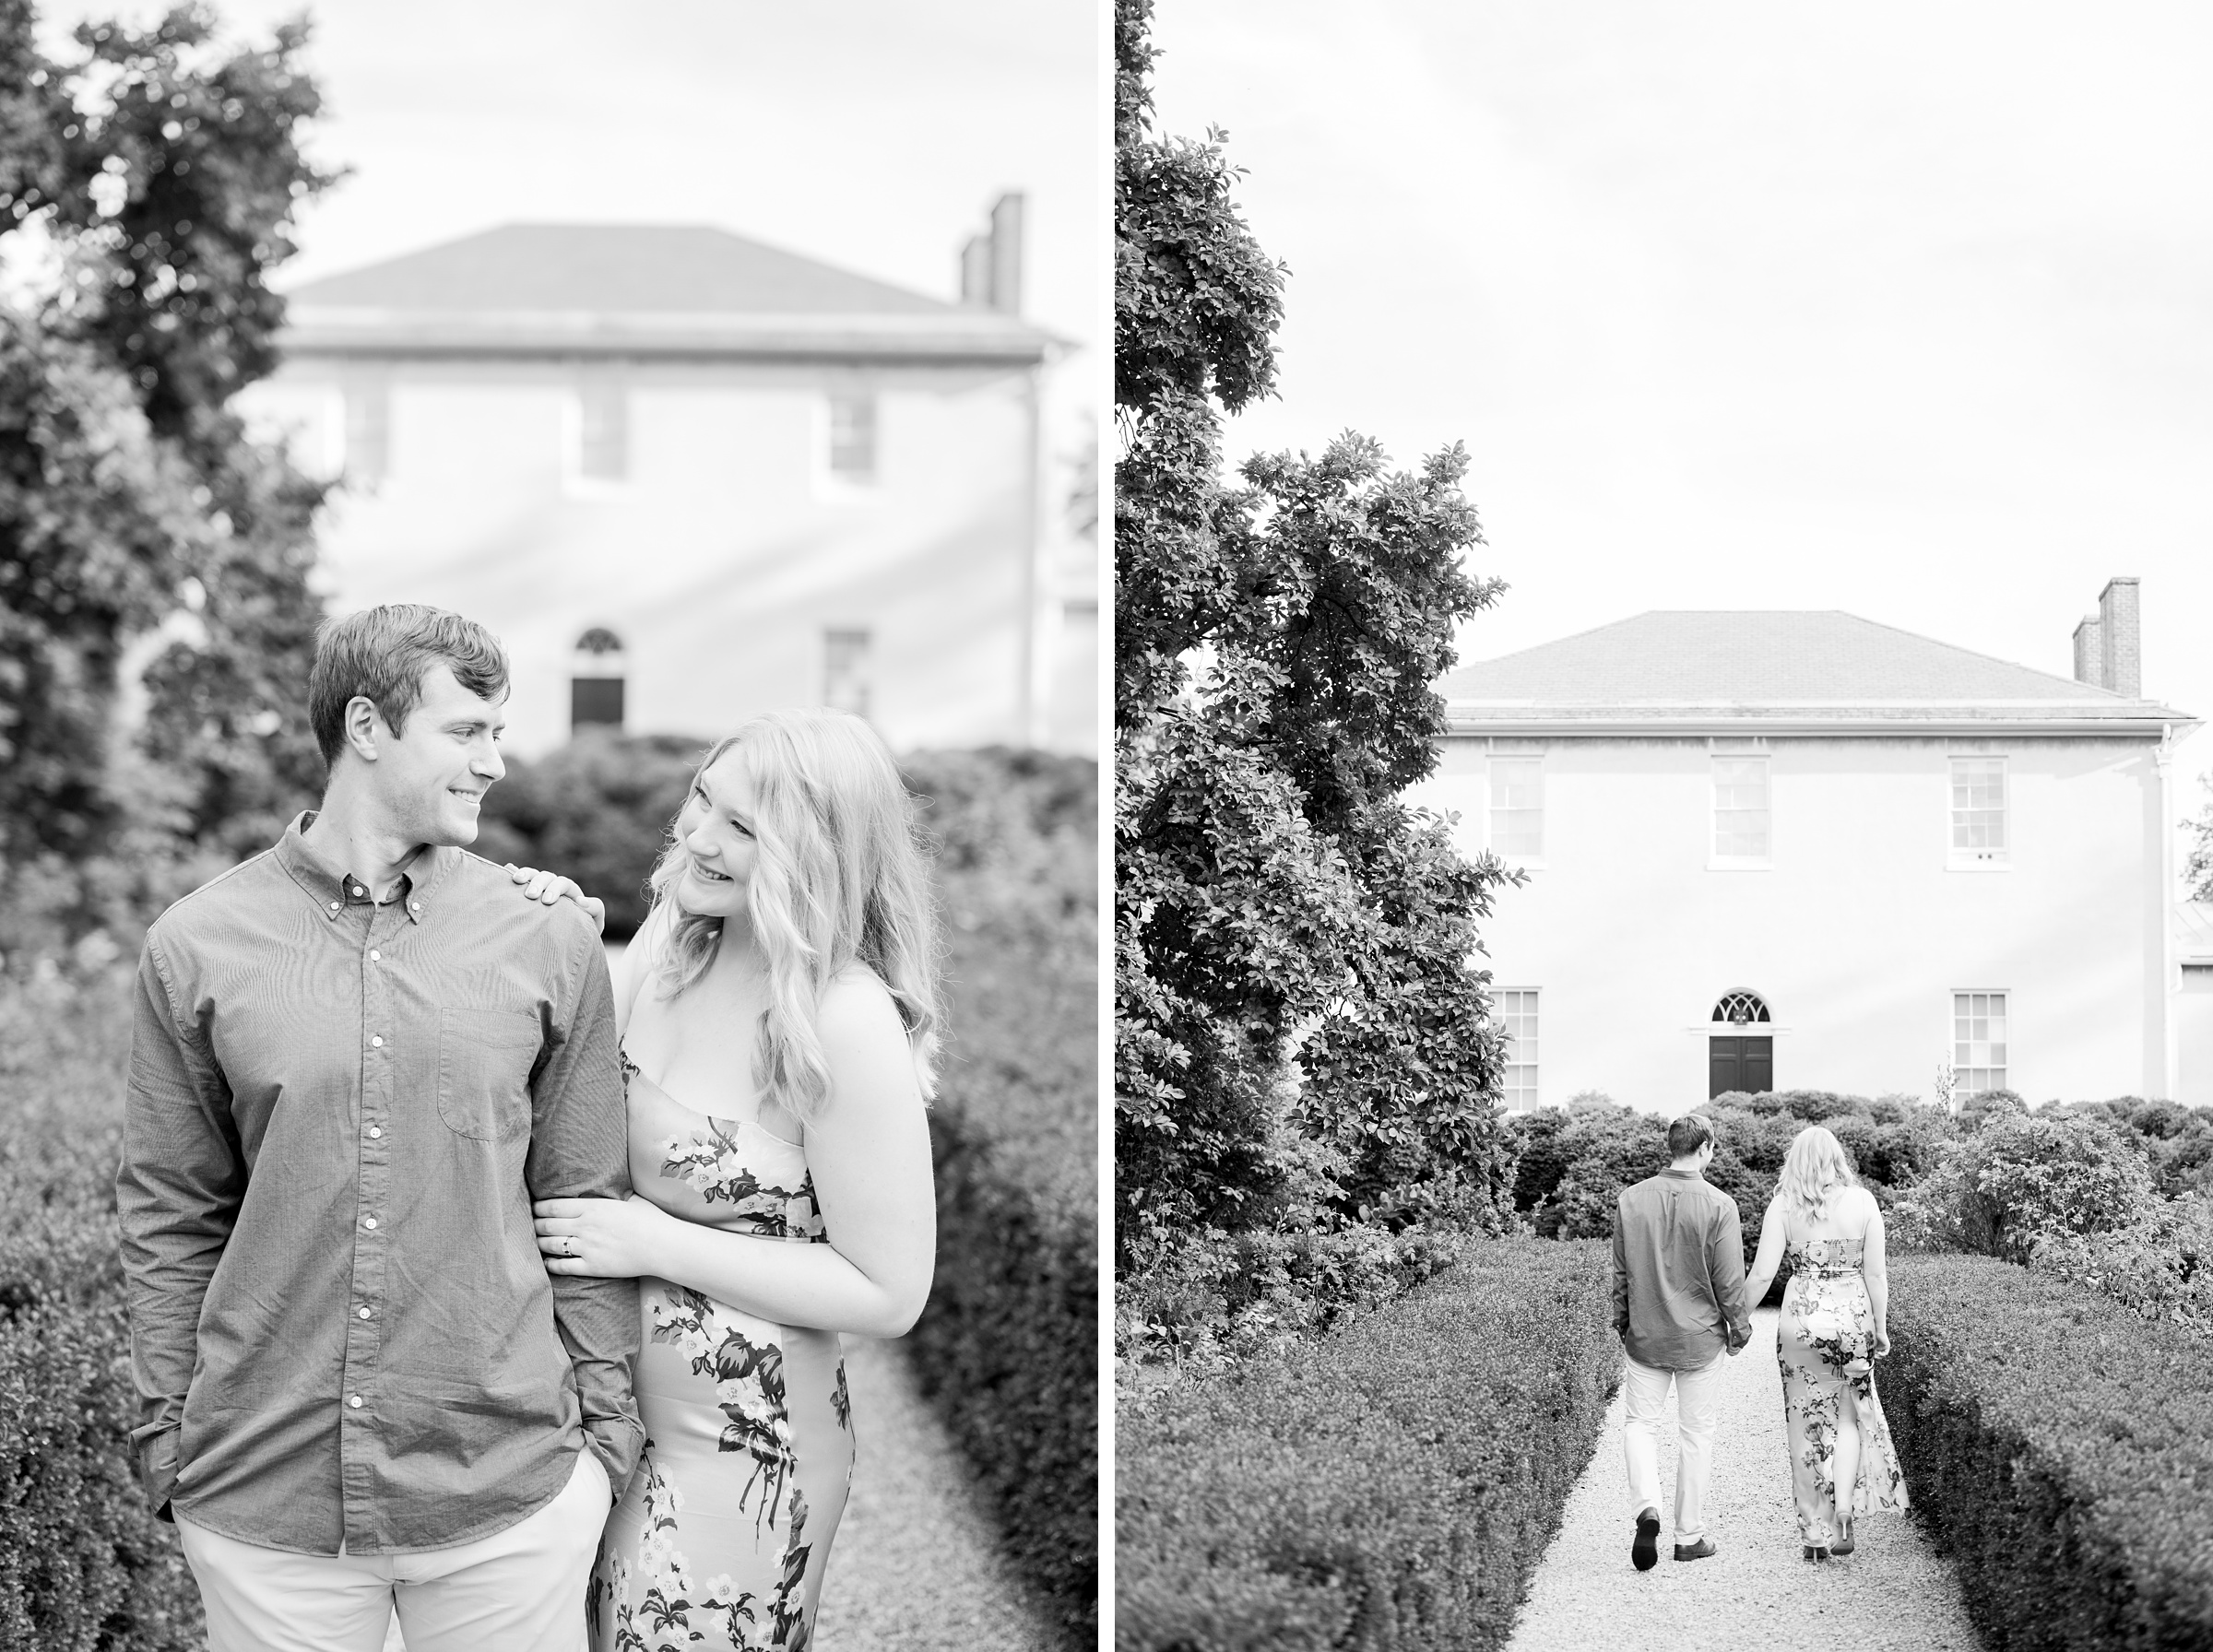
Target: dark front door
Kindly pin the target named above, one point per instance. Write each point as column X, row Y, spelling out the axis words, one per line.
column 1746, row 1063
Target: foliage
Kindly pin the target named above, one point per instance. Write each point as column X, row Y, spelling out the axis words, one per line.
column 1008, row 1347
column 1301, row 1046
column 597, row 809
column 84, row 1565
column 2160, row 1267
column 2197, row 867
column 2058, row 1449
column 147, row 182
column 2024, row 1179
column 1391, row 1485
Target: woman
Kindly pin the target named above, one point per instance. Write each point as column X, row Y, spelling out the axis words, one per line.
column 780, row 1017
column 1835, row 1314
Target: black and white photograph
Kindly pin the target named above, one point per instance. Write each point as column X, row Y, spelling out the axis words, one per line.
column 550, row 726
column 1662, row 839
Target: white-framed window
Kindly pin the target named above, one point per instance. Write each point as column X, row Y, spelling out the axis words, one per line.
column 602, row 446
column 368, row 430
column 1980, row 835
column 847, row 673
column 1517, row 1012
column 1516, row 808
column 852, row 436
column 1978, row 1041
column 1741, row 820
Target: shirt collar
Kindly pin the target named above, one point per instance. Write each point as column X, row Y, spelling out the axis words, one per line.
column 1688, row 1175
column 333, row 894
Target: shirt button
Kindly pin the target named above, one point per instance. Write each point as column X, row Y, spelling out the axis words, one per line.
column 357, row 890
column 370, row 1223
column 375, row 956
column 334, row 906
column 375, row 1131
column 355, row 1402
column 414, row 906
column 364, row 1313
column 378, row 1043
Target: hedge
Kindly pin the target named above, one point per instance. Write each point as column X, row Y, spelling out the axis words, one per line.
column 2060, row 1451
column 1008, row 1347
column 83, row 1563
column 1392, row 1484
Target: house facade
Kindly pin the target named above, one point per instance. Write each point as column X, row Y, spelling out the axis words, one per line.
column 686, row 477
column 1805, row 851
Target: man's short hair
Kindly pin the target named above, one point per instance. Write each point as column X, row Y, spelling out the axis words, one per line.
column 1688, row 1134
column 383, row 654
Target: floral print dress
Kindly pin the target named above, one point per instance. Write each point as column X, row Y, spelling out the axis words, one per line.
column 720, row 1541
column 1826, row 1346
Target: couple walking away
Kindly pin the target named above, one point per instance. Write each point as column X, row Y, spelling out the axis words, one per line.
column 1683, row 1306
column 470, row 1283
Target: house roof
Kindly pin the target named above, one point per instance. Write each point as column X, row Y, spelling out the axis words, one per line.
column 630, row 290
column 1828, row 670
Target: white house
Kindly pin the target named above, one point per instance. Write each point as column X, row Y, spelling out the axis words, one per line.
column 685, row 476
column 1806, row 851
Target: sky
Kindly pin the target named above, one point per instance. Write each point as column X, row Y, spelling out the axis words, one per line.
column 868, row 133
column 1903, row 310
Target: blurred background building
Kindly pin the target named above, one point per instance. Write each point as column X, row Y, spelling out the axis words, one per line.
column 686, row 476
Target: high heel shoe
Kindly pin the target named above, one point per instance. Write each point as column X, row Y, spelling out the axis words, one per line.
column 1817, row 1552
column 1843, row 1545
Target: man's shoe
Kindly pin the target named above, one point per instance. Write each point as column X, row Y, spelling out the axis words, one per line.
column 1644, row 1554
column 1697, row 1550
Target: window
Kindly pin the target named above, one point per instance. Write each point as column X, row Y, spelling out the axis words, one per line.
column 1518, row 808
column 596, row 681
column 1740, row 810
column 1517, row 1009
column 602, row 431
column 1978, row 1041
column 853, row 438
column 367, row 431
column 845, row 670
column 1979, row 811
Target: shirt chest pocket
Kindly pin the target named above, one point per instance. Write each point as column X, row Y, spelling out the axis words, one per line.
column 484, row 1062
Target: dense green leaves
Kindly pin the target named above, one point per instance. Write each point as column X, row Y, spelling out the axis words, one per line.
column 147, row 179
column 1303, row 1047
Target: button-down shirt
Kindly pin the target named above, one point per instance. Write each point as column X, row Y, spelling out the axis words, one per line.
column 339, row 1113
column 1678, row 1272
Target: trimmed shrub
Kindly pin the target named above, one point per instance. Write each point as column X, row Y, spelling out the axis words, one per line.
column 1391, row 1485
column 1008, row 1347
column 2057, row 1449
column 84, row 1565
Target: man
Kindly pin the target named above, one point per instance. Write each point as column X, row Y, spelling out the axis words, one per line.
column 1678, row 1303
column 357, row 1058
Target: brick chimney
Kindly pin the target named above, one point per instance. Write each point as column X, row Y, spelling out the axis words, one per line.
column 2090, row 652
column 992, row 263
column 2117, row 639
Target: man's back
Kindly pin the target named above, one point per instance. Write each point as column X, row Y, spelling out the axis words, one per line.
column 1678, row 1272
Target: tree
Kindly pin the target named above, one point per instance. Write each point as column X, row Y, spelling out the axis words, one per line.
column 2197, row 871
column 147, row 183
column 1301, row 1041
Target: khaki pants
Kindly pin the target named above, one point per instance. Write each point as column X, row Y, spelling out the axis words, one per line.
column 1698, row 1414
column 517, row 1590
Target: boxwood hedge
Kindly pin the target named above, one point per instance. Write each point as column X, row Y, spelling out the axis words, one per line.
column 1390, row 1485
column 2061, row 1452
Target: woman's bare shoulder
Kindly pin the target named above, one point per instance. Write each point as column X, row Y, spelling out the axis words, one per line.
column 858, row 1002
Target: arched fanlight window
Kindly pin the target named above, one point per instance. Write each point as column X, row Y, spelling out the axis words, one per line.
column 1741, row 1010
column 596, row 680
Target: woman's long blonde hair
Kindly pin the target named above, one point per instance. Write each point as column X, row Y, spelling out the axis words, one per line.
column 839, row 878
column 1813, row 1170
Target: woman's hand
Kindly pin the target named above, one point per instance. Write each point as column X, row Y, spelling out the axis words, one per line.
column 598, row 1238
column 1882, row 1342
column 548, row 887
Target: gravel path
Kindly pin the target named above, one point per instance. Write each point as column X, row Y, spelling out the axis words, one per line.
column 915, row 1567
column 1893, row 1593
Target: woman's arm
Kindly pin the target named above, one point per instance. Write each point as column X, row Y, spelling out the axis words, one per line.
column 869, row 1154
column 1875, row 1268
column 1768, row 1259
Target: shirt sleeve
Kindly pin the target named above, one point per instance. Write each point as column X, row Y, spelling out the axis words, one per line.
column 1725, row 1263
column 177, row 1194
column 1621, row 1274
column 580, row 1148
